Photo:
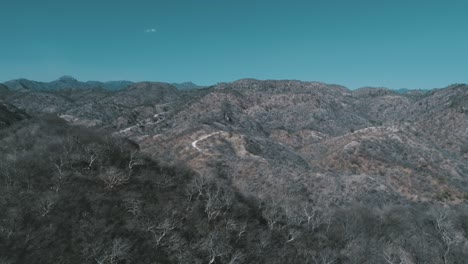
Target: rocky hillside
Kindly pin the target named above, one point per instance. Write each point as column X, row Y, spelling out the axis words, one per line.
column 99, row 107
column 288, row 136
column 3, row 89
column 311, row 161
column 277, row 137
column 10, row 114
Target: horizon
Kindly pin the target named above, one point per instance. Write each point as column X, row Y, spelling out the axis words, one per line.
column 214, row 84
column 365, row 43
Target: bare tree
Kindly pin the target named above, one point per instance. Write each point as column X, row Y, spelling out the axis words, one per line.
column 236, row 257
column 292, row 235
column 161, row 230
column 265, row 239
column 196, row 188
column 352, row 224
column 272, row 212
column 59, row 167
column 93, row 153
column 393, row 254
column 8, row 226
column 216, row 247
column 293, row 214
column 315, row 215
column 241, row 230
column 46, row 203
column 91, row 160
column 448, row 235
column 133, row 205
column 166, row 180
column 68, row 146
column 325, row 256
column 113, row 178
column 134, row 161
column 117, row 252
column 7, row 171
column 218, row 202
column 230, row 224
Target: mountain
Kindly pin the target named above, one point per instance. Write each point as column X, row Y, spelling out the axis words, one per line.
column 187, row 86
column 402, row 90
column 259, row 128
column 64, row 82
column 314, row 133
column 308, row 131
column 97, row 106
column 110, row 85
column 251, row 171
column 23, row 84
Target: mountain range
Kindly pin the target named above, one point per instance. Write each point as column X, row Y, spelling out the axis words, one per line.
column 281, row 148
column 305, row 130
column 68, row 82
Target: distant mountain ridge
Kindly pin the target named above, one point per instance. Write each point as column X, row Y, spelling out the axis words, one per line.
column 68, row 82
column 187, row 86
column 64, row 82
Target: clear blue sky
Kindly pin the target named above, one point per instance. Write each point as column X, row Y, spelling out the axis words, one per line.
column 392, row 43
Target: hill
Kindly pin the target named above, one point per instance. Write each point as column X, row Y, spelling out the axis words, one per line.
column 3, row 89
column 10, row 114
column 295, row 172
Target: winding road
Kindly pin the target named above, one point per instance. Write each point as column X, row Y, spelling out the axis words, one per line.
column 194, row 143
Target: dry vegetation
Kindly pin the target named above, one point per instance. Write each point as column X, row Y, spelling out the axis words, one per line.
column 282, row 172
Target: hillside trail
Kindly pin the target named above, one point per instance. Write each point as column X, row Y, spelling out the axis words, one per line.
column 195, row 142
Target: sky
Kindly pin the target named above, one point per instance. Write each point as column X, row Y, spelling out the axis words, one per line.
column 416, row 44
